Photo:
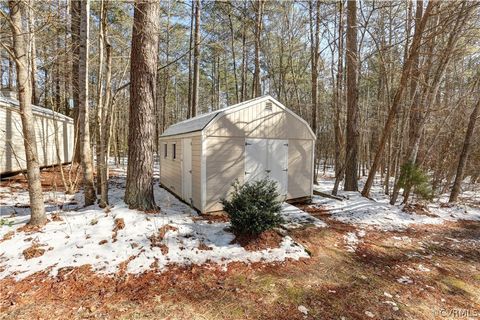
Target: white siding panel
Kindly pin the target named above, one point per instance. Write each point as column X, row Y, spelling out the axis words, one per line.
column 171, row 169
column 299, row 168
column 225, row 162
column 258, row 122
column 12, row 150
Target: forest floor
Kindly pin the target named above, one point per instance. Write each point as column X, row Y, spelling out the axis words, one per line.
column 359, row 259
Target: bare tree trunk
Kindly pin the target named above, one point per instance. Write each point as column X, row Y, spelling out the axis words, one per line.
column 462, row 161
column 421, row 104
column 339, row 171
column 106, row 115
column 106, row 130
column 232, row 36
column 67, row 92
column 75, row 12
column 353, row 133
column 10, row 72
column 257, row 86
column 196, row 60
column 143, row 74
column 83, row 114
column 166, row 75
column 413, row 97
column 398, row 96
column 33, row 53
column 314, row 57
column 243, row 91
column 58, row 102
column 20, row 49
column 100, row 106
column 190, row 84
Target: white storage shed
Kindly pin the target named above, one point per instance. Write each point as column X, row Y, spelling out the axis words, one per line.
column 52, row 130
column 202, row 156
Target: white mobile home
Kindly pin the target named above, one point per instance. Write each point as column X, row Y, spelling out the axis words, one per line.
column 52, row 130
column 201, row 157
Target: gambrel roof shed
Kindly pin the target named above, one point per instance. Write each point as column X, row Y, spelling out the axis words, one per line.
column 201, row 157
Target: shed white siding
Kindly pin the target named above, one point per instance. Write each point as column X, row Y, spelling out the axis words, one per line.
column 224, row 163
column 171, row 169
column 218, row 154
column 52, row 131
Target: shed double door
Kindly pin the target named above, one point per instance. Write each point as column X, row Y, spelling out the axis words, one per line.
column 267, row 158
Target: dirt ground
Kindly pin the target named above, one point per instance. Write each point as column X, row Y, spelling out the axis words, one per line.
column 333, row 284
column 50, row 177
column 424, row 272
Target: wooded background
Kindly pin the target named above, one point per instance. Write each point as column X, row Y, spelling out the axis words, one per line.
column 391, row 86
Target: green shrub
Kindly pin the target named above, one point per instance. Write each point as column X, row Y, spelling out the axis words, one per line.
column 411, row 176
column 253, row 207
column 5, row 222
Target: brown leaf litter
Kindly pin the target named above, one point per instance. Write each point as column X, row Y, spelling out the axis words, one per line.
column 156, row 239
column 119, row 225
column 33, row 252
column 266, row 240
column 419, row 209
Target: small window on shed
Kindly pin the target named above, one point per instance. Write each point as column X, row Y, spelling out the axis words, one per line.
column 268, row 106
column 174, row 150
column 165, row 150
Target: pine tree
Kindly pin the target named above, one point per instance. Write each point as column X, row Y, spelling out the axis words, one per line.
column 143, row 75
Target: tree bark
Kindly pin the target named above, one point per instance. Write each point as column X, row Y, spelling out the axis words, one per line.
column 196, row 60
column 413, row 112
column 100, row 103
column 422, row 103
column 339, row 167
column 398, row 96
column 166, row 75
column 75, row 12
column 106, row 115
column 232, row 43
column 353, row 133
column 190, row 78
column 20, row 49
column 83, row 108
column 143, row 74
column 33, row 53
column 243, row 91
column 314, row 12
column 257, row 86
column 462, row 161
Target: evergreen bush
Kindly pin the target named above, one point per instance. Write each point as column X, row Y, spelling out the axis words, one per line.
column 253, row 207
column 413, row 177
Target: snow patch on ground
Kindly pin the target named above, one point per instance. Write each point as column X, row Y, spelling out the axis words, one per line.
column 378, row 213
column 86, row 236
column 295, row 218
column 352, row 240
column 405, row 280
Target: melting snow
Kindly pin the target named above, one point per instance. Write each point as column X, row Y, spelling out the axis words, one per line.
column 294, row 218
column 303, row 310
column 404, row 280
column 352, row 239
column 378, row 213
column 85, row 236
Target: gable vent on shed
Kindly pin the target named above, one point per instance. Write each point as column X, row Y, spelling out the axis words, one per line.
column 268, row 105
